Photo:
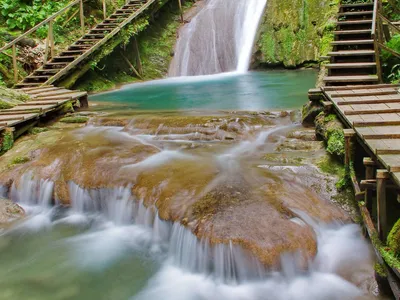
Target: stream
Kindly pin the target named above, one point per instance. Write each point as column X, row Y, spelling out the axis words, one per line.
column 119, row 239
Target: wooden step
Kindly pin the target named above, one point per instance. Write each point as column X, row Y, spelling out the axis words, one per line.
column 357, row 31
column 356, row 5
column 52, row 71
column 38, row 77
column 356, row 22
column 91, row 41
column 351, row 65
column 359, row 87
column 41, row 90
column 356, row 13
column 83, row 47
column 368, row 100
column 358, row 78
column 352, row 42
column 26, row 90
column 364, row 92
column 64, row 57
column 28, row 84
column 94, row 35
column 352, row 53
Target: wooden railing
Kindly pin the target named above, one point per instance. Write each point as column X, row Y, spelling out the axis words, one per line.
column 50, row 36
column 381, row 32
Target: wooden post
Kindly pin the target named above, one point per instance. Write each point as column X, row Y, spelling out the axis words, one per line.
column 382, row 176
column 348, row 136
column 369, row 174
column 46, row 49
column 82, row 17
column 51, row 38
column 180, row 9
column 104, row 9
column 138, row 60
column 15, row 66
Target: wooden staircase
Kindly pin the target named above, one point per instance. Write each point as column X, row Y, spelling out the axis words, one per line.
column 65, row 61
column 352, row 60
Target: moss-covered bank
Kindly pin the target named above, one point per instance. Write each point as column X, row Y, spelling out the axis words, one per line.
column 295, row 32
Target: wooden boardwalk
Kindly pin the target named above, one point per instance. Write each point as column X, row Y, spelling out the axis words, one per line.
column 47, row 98
column 43, row 100
column 373, row 112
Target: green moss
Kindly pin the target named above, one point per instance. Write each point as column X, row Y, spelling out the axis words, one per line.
column 379, row 269
column 5, row 105
column 393, row 239
column 6, row 141
column 332, row 166
column 74, row 119
column 336, row 143
column 20, row 160
column 37, row 130
column 295, row 32
column 67, row 108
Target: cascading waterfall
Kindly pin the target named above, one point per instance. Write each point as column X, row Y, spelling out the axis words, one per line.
column 196, row 269
column 219, row 39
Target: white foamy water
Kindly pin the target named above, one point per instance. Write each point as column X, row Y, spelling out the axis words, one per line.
column 192, row 269
column 219, row 39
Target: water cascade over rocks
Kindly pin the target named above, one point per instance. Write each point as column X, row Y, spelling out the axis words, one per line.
column 191, row 268
column 219, row 39
column 201, row 216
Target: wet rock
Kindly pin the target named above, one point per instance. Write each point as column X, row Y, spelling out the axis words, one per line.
column 330, row 129
column 234, row 126
column 296, row 145
column 9, row 212
column 310, row 112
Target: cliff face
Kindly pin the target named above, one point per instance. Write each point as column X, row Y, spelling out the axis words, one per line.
column 295, row 32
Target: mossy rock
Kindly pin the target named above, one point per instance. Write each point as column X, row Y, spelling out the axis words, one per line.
column 10, row 98
column 74, row 119
column 309, row 112
column 393, row 239
column 330, row 129
column 6, row 141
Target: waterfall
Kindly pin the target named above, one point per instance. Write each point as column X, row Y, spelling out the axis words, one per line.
column 219, row 39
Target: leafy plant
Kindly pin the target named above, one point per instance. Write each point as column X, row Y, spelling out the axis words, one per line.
column 21, row 15
column 394, row 77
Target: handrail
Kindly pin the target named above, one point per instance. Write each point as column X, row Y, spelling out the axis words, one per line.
column 33, row 29
column 50, row 37
column 374, row 18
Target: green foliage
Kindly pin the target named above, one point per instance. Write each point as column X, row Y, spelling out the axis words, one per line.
column 37, row 130
column 391, row 63
column 6, row 141
column 379, row 269
column 298, row 31
column 393, row 239
column 21, row 15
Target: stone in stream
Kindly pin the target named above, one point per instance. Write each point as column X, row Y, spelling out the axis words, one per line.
column 9, row 212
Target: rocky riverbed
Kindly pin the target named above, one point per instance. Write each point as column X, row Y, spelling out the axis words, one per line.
column 227, row 176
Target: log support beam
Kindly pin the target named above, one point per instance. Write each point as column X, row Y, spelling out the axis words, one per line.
column 382, row 178
column 349, row 135
column 369, row 175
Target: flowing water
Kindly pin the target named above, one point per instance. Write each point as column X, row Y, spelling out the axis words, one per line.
column 194, row 204
column 218, row 39
column 109, row 245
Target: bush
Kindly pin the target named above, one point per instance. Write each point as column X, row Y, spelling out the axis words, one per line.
column 21, row 15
